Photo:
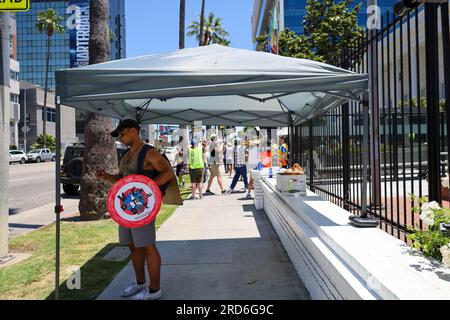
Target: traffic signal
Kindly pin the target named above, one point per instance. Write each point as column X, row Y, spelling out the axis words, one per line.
column 28, row 118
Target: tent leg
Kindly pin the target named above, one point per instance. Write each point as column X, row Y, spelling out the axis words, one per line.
column 363, row 220
column 291, row 138
column 58, row 207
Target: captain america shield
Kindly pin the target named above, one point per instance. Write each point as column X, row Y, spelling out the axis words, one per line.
column 134, row 201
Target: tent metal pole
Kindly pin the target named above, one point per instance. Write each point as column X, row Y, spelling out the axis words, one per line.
column 365, row 162
column 58, row 207
column 138, row 116
column 291, row 137
column 364, row 221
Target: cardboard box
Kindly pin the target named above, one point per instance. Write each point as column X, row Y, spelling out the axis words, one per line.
column 292, row 183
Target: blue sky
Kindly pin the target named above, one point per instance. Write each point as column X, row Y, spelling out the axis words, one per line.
column 152, row 25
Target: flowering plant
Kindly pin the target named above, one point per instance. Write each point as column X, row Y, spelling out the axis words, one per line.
column 432, row 242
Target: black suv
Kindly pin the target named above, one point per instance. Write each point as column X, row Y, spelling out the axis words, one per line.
column 72, row 166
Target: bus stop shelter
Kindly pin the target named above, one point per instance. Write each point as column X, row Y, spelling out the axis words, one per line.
column 213, row 84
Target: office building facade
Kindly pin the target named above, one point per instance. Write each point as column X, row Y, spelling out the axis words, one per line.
column 69, row 49
column 32, row 106
column 14, row 92
column 270, row 17
column 32, row 44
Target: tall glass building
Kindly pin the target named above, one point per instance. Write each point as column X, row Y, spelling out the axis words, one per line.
column 32, row 44
column 69, row 49
column 270, row 16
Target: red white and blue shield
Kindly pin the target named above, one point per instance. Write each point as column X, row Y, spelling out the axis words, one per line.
column 134, row 201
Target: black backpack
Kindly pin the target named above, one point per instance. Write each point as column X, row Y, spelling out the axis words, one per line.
column 140, row 165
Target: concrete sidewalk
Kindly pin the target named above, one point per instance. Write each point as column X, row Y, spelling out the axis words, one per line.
column 33, row 219
column 219, row 248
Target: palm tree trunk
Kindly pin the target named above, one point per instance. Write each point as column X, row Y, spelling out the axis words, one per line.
column 202, row 23
column 100, row 147
column 44, row 117
column 182, row 24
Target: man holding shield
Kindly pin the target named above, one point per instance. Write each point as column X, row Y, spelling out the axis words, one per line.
column 141, row 240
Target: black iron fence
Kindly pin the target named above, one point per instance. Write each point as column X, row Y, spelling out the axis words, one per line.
column 408, row 98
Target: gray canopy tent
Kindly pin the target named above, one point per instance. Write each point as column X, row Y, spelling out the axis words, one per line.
column 213, row 84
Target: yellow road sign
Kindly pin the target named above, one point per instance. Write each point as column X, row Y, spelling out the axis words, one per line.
column 14, row 5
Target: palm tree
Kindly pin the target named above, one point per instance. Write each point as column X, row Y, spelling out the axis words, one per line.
column 100, row 149
column 48, row 22
column 213, row 31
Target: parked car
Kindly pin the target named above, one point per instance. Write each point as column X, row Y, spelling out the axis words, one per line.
column 17, row 156
column 38, row 155
column 72, row 166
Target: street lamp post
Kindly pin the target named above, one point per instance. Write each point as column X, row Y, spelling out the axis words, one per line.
column 4, row 133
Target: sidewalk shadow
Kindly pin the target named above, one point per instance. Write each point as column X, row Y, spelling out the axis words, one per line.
column 13, row 211
column 95, row 276
column 65, row 196
column 248, row 267
column 25, row 226
column 221, row 267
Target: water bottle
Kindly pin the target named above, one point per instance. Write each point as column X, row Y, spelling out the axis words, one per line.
column 260, row 166
column 270, row 173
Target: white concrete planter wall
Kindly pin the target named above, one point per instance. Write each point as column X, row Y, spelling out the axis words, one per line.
column 338, row 261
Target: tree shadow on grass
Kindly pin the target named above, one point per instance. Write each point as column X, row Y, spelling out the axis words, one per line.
column 95, row 275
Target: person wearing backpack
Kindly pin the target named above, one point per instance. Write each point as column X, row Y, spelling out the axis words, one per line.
column 214, row 163
column 142, row 159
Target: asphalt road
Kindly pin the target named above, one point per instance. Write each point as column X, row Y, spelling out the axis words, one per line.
column 31, row 185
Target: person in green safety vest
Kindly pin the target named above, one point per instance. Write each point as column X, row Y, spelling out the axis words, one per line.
column 195, row 160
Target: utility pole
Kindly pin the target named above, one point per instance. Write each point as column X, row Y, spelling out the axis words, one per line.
column 25, row 126
column 374, row 107
column 370, row 110
column 432, row 85
column 4, row 133
column 181, row 36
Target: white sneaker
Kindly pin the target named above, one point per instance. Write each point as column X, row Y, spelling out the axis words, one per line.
column 132, row 289
column 146, row 295
column 248, row 197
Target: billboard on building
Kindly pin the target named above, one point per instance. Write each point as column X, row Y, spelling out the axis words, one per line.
column 79, row 27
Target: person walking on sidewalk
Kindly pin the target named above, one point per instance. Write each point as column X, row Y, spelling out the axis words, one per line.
column 224, row 154
column 195, row 159
column 229, row 159
column 252, row 164
column 179, row 159
column 141, row 241
column 240, row 167
column 205, row 161
column 214, row 165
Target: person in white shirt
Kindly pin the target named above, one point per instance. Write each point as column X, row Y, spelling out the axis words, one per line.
column 240, row 167
column 229, row 159
column 179, row 160
column 214, row 165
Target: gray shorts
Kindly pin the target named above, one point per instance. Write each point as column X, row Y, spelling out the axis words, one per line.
column 139, row 237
